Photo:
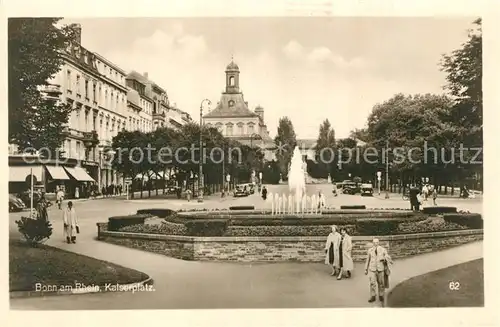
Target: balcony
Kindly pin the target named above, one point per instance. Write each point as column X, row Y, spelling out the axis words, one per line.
column 90, row 139
column 159, row 116
column 104, row 143
column 51, row 91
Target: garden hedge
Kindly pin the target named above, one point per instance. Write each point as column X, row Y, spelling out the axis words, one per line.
column 206, row 227
column 161, row 213
column 242, row 208
column 437, row 210
column 117, row 222
column 471, row 220
column 353, row 207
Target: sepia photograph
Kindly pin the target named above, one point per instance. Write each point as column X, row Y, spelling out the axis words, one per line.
column 245, row 162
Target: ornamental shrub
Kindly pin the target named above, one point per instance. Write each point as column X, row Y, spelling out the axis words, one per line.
column 35, row 231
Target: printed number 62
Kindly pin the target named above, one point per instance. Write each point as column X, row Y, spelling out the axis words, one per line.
column 454, row 286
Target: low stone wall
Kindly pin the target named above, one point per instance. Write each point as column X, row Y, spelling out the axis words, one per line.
column 289, row 248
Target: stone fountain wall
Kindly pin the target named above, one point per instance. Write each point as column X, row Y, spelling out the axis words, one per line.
column 290, row 248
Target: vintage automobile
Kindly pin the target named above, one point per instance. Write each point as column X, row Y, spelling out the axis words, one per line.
column 350, row 188
column 15, row 203
column 366, row 190
column 242, row 190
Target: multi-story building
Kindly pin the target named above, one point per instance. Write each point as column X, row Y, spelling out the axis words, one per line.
column 236, row 121
column 141, row 103
column 96, row 89
column 149, row 107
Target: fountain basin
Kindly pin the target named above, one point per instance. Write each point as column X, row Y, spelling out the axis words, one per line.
column 257, row 236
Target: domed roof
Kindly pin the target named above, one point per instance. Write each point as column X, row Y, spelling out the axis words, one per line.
column 259, row 108
column 232, row 66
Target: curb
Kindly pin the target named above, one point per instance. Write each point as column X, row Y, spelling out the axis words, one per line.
column 88, row 290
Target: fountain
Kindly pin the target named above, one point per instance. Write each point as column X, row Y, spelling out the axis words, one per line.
column 296, row 202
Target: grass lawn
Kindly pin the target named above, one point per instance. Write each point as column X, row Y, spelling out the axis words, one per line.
column 51, row 266
column 433, row 290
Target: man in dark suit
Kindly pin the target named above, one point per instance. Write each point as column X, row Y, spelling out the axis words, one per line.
column 414, row 192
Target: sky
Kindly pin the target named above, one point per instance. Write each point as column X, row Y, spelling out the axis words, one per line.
column 308, row 69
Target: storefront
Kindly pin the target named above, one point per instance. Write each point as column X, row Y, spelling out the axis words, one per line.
column 48, row 175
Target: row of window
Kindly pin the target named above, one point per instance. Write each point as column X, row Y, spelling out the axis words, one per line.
column 240, row 128
column 110, row 73
column 140, row 124
column 106, row 96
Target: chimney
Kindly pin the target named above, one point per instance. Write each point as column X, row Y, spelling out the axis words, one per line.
column 146, row 75
column 77, row 28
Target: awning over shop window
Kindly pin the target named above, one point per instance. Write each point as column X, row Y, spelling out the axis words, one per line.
column 57, row 172
column 20, row 173
column 79, row 174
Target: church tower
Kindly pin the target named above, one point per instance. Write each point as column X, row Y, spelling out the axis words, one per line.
column 232, row 78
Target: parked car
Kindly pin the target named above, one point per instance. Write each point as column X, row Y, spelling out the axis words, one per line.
column 26, row 197
column 15, row 203
column 350, row 188
column 242, row 190
column 366, row 190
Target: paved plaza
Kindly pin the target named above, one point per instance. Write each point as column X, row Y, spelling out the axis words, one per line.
column 190, row 284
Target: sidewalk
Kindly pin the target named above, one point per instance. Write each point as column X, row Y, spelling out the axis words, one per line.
column 208, row 285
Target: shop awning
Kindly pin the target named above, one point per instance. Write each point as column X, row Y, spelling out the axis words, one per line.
column 57, row 172
column 20, row 173
column 79, row 174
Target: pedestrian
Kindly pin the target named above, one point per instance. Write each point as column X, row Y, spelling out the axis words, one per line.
column 377, row 269
column 434, row 196
column 59, row 198
column 264, row 192
column 77, row 193
column 425, row 192
column 332, row 250
column 103, row 190
column 41, row 208
column 414, row 202
column 188, row 195
column 70, row 222
column 321, row 200
column 346, row 264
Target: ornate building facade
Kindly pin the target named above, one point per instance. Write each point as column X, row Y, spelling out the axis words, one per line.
column 235, row 120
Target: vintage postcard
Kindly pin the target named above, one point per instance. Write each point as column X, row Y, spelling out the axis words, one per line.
column 224, row 161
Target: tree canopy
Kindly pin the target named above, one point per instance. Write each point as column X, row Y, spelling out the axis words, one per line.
column 34, row 53
column 286, row 140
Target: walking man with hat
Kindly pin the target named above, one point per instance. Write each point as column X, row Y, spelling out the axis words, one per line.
column 377, row 269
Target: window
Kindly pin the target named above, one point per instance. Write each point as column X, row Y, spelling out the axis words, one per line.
column 78, row 118
column 87, row 89
column 231, row 103
column 86, row 121
column 77, row 150
column 93, row 92
column 229, row 129
column 240, row 128
column 78, row 84
column 231, row 81
column 105, row 98
column 250, row 129
column 68, row 80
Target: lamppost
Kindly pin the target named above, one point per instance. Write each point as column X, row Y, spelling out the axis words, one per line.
column 387, row 169
column 200, row 175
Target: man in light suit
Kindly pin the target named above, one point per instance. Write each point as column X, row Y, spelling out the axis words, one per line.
column 375, row 267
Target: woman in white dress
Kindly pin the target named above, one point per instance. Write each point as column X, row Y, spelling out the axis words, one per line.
column 332, row 250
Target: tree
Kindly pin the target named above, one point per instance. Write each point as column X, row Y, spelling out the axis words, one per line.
column 325, row 149
column 414, row 122
column 464, row 69
column 286, row 141
column 130, row 153
column 35, row 46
